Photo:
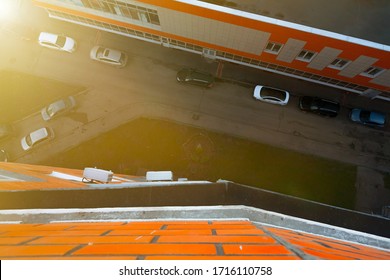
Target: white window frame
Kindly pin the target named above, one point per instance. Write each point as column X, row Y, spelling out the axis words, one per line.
column 335, row 65
column 306, row 52
column 367, row 72
column 272, row 49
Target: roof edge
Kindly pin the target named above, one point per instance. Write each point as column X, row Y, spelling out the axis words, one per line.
column 172, row 213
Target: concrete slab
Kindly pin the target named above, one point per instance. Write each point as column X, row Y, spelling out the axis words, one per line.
column 370, row 190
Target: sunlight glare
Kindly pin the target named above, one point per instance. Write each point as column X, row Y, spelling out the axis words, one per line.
column 7, row 8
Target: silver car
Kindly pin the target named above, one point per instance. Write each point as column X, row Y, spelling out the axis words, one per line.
column 36, row 137
column 57, row 42
column 109, row 56
column 58, row 108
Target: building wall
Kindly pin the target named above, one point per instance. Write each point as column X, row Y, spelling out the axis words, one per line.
column 210, row 239
column 249, row 39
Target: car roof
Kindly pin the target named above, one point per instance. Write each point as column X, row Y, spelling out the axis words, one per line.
column 329, row 105
column 39, row 134
column 48, row 37
column 112, row 54
column 273, row 93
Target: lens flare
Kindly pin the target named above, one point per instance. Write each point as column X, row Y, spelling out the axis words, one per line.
column 7, row 9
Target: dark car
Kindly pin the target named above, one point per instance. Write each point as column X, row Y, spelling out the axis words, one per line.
column 195, row 77
column 367, row 117
column 320, row 106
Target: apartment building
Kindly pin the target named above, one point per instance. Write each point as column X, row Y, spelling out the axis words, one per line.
column 228, row 34
column 60, row 213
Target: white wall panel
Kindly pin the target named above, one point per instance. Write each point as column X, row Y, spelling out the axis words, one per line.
column 290, row 50
column 358, row 66
column 213, row 31
column 325, row 57
column 382, row 79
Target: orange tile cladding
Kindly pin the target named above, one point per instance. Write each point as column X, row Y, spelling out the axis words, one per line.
column 213, row 226
column 53, row 233
column 23, row 250
column 265, row 257
column 92, row 240
column 148, row 249
column 239, row 231
column 185, row 240
column 70, row 258
column 13, row 240
column 161, row 232
column 256, row 250
column 321, row 246
column 215, row 239
column 327, row 255
column 120, row 227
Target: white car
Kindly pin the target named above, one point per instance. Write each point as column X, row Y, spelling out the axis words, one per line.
column 36, row 137
column 271, row 95
column 57, row 42
column 57, row 108
column 109, row 56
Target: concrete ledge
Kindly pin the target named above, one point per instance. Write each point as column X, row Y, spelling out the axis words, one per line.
column 228, row 212
column 209, row 194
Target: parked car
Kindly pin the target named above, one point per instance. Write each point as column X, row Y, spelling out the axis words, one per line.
column 195, row 77
column 57, row 42
column 5, row 131
column 36, row 137
column 3, row 155
column 109, row 56
column 58, row 108
column 367, row 117
column 320, row 106
column 271, row 95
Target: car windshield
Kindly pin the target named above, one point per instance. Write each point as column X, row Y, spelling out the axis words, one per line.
column 28, row 140
column 50, row 111
column 365, row 116
column 272, row 98
column 123, row 58
column 61, row 41
column 270, row 93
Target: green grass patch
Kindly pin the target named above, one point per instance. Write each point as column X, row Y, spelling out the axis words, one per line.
column 23, row 94
column 158, row 145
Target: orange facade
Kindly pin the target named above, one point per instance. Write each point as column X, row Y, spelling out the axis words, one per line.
column 350, row 49
column 173, row 240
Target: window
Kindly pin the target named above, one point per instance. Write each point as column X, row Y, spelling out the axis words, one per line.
column 273, row 47
column 372, row 72
column 97, row 5
column 305, row 55
column 127, row 10
column 339, row 63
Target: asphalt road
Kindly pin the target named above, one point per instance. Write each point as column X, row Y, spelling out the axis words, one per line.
column 146, row 87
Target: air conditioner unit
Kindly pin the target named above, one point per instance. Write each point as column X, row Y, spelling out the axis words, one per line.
column 94, row 174
column 159, row 176
column 208, row 53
